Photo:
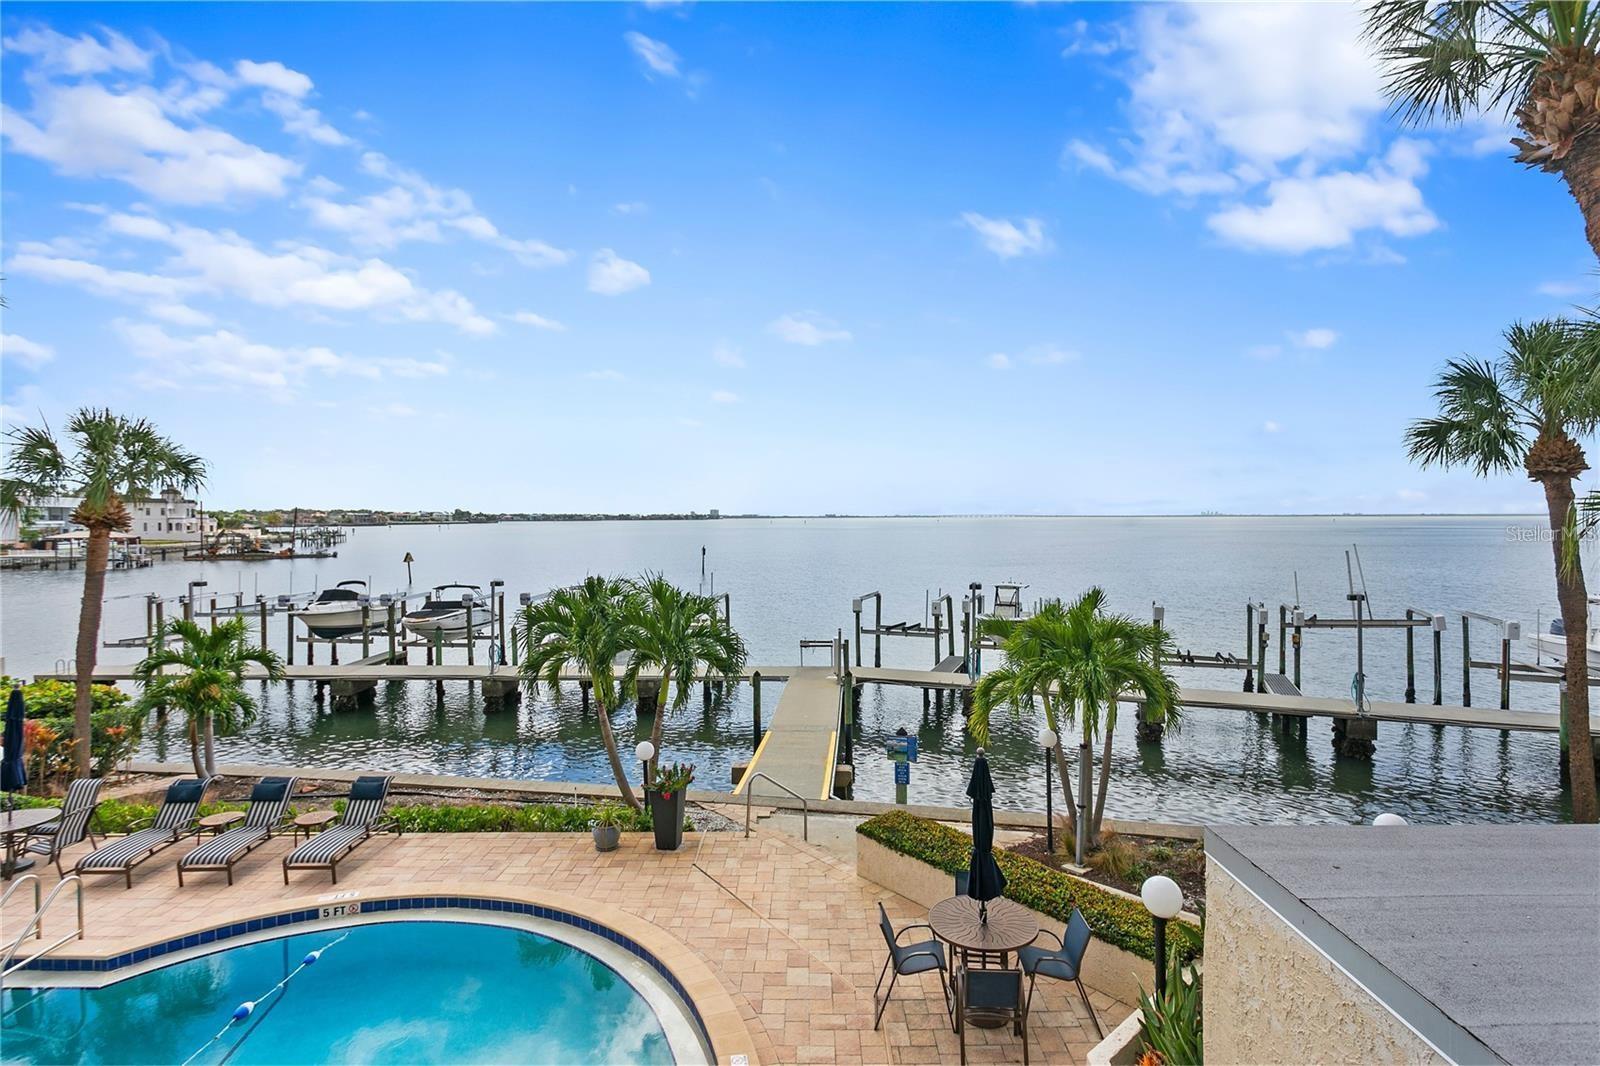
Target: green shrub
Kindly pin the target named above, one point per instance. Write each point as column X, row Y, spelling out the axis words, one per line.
column 48, row 698
column 529, row 818
column 1115, row 920
column 119, row 816
column 1172, row 1025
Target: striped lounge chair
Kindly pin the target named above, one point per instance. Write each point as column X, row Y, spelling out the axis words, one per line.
column 363, row 816
column 82, row 793
column 269, row 802
column 174, row 821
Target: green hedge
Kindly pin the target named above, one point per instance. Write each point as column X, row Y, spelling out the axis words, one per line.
column 115, row 816
column 1114, row 919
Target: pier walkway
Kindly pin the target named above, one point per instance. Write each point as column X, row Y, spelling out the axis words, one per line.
column 801, row 745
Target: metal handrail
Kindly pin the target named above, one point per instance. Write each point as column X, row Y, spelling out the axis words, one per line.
column 805, row 807
column 37, row 895
column 7, row 967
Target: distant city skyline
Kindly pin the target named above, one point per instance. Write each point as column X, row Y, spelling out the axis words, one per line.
column 779, row 259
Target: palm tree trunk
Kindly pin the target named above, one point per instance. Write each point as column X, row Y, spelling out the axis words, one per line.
column 211, row 746
column 194, row 749
column 94, row 589
column 610, row 739
column 1573, row 597
column 661, row 714
column 1104, row 786
column 1581, row 171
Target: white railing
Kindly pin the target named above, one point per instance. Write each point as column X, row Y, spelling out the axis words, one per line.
column 36, row 926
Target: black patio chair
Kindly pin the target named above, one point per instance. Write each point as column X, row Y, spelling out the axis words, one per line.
column 908, row 959
column 991, row 993
column 1063, row 963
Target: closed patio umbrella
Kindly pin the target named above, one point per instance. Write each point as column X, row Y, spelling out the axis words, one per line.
column 984, row 879
column 13, row 769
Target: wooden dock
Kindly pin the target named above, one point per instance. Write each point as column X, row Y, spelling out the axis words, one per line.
column 801, row 746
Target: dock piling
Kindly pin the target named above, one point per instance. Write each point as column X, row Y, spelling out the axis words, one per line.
column 1466, row 662
column 1438, row 660
column 1411, row 660
column 755, row 705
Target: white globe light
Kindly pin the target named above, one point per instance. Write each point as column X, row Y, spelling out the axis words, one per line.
column 1047, row 738
column 646, row 751
column 1162, row 896
column 1389, row 819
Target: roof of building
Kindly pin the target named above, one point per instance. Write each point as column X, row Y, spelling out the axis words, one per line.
column 1484, row 939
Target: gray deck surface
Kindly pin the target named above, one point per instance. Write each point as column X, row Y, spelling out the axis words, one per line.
column 799, row 747
column 1497, row 926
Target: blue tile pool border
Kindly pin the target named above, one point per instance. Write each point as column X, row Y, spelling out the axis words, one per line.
column 223, row 933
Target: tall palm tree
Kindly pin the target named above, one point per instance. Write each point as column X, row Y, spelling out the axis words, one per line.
column 108, row 460
column 1532, row 60
column 586, row 626
column 202, row 675
column 1530, row 408
column 1077, row 661
column 678, row 633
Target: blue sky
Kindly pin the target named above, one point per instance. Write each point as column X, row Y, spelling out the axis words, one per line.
column 783, row 258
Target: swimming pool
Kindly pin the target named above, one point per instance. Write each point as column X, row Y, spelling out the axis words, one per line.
column 420, row 990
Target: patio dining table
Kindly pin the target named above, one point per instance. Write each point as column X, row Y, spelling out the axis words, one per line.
column 14, row 827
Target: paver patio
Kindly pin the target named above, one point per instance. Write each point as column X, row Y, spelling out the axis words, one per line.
column 789, row 930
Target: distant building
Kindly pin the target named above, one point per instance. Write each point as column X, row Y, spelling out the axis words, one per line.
column 715, row 513
column 168, row 517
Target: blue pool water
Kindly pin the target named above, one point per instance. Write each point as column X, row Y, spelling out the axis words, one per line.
column 413, row 992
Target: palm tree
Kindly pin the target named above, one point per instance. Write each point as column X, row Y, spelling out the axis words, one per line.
column 1532, row 60
column 1530, row 408
column 677, row 632
column 587, row 626
column 202, row 675
column 107, row 460
column 1077, row 661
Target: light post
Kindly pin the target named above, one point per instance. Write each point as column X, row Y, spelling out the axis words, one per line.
column 1163, row 899
column 645, row 751
column 1389, row 819
column 1047, row 741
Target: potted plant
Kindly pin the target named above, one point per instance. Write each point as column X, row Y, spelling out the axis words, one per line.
column 606, row 825
column 667, row 796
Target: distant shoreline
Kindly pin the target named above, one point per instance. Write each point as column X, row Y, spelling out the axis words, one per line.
column 510, row 518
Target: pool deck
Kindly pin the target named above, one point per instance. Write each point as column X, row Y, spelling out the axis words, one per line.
column 787, row 930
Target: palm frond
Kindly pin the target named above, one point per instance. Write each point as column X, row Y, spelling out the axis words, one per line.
column 1478, row 425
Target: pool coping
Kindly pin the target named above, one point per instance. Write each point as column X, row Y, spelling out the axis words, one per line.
column 710, row 1005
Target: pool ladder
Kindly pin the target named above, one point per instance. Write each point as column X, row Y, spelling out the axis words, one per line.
column 35, row 924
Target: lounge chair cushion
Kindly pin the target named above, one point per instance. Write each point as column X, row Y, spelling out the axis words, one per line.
column 270, row 789
column 219, row 850
column 369, row 788
column 189, row 790
column 125, row 851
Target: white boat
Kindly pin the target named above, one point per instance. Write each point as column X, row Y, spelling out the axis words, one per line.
column 337, row 612
column 1553, row 645
column 444, row 612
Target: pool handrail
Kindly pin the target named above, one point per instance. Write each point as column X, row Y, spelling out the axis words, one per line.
column 38, row 894
column 805, row 807
column 7, row 967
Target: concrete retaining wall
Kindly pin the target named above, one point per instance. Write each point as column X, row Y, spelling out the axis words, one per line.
column 1272, row 997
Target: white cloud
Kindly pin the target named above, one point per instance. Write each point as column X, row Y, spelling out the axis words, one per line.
column 725, row 354
column 1006, row 238
column 612, row 275
column 724, row 396
column 301, row 120
column 658, row 56
column 1271, row 427
column 274, row 76
column 528, row 318
column 1327, row 211
column 224, row 263
column 415, row 209
column 55, row 53
column 87, row 130
column 605, row 375
column 23, row 352
column 631, row 207
column 998, row 361
column 1318, row 337
column 1229, row 99
column 1566, row 289
column 807, row 328
column 1035, row 354
column 225, row 359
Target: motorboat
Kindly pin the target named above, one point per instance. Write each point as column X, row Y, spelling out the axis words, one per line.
column 1553, row 644
column 445, row 612
column 337, row 612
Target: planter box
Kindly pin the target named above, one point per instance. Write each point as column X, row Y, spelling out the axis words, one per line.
column 1106, row 968
column 1121, row 1045
column 666, row 815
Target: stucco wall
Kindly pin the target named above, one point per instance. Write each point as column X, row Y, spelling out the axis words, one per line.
column 1271, row 997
